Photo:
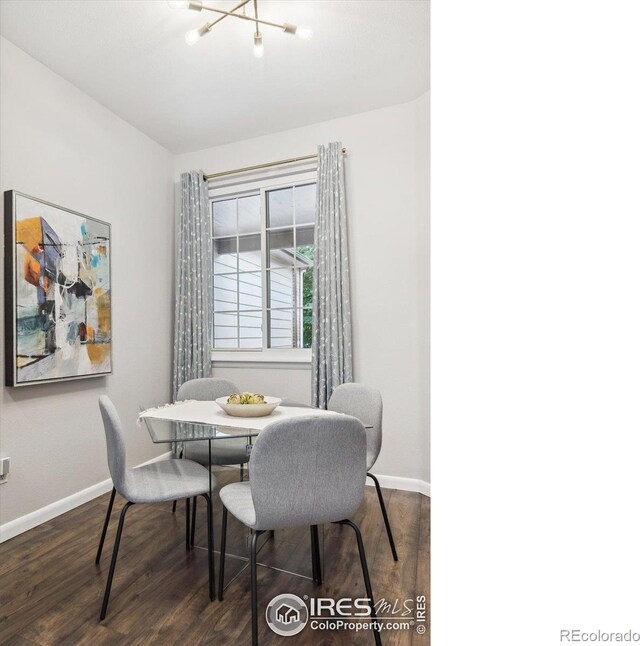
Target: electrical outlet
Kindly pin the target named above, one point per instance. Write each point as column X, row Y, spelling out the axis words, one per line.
column 5, row 466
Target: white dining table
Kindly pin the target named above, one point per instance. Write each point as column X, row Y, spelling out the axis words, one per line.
column 210, row 413
column 197, row 421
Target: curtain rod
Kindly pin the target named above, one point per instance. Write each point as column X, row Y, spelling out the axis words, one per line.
column 259, row 166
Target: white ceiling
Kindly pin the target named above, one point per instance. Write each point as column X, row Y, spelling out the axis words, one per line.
column 130, row 55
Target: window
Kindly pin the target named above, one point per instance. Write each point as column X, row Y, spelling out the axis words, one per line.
column 263, row 266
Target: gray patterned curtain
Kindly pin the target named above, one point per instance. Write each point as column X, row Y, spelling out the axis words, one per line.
column 331, row 348
column 193, row 316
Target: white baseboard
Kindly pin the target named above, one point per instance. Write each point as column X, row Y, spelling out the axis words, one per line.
column 39, row 516
column 404, row 484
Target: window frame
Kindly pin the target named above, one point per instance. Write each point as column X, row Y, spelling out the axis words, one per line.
column 246, row 188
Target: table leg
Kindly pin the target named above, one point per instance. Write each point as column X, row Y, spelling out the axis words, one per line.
column 210, row 487
column 187, row 522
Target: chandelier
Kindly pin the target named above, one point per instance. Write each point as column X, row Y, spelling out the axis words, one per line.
column 194, row 35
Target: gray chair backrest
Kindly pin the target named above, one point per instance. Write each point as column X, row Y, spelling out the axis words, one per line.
column 365, row 403
column 116, row 451
column 307, row 471
column 206, row 389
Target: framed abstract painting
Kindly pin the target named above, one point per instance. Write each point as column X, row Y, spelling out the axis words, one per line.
column 57, row 293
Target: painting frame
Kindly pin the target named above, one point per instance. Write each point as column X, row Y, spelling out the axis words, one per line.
column 91, row 336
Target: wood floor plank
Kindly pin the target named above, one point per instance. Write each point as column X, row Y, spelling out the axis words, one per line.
column 51, row 589
column 423, row 566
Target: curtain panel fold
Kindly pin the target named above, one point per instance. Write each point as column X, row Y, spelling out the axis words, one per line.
column 193, row 294
column 332, row 362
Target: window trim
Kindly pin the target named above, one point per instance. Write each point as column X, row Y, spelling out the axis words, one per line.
column 270, row 355
column 265, row 354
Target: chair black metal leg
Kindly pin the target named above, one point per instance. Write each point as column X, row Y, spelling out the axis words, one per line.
column 254, row 589
column 315, row 555
column 367, row 580
column 314, row 572
column 106, row 524
column 242, row 473
column 384, row 515
column 223, row 547
column 193, row 521
column 114, row 557
column 212, row 572
column 188, row 523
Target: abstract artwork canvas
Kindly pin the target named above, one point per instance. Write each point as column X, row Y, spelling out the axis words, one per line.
column 57, row 293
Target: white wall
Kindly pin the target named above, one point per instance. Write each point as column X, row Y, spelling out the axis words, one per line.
column 388, row 203
column 61, row 146
column 423, row 268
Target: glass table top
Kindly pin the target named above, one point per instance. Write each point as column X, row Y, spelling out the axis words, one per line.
column 163, row 431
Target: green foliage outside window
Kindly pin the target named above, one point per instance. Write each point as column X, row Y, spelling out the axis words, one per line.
column 308, row 251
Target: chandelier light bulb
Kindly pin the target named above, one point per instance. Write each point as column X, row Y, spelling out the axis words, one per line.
column 178, row 4
column 258, row 47
column 191, row 37
column 304, row 32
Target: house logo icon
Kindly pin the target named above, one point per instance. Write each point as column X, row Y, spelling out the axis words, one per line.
column 287, row 614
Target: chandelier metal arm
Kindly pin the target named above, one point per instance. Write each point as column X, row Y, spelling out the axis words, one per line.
column 194, row 4
column 255, row 11
column 215, row 22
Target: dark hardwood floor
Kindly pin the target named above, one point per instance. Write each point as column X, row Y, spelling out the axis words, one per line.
column 51, row 590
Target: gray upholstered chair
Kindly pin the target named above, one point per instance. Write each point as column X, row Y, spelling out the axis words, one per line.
column 304, row 472
column 227, row 451
column 157, row 482
column 365, row 403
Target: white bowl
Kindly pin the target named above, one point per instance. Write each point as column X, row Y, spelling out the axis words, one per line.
column 249, row 410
